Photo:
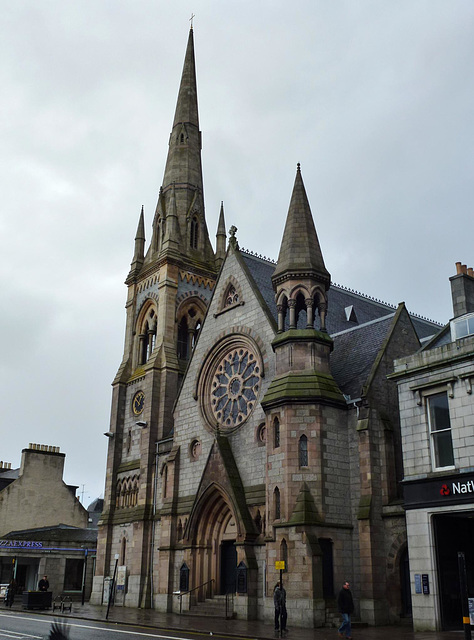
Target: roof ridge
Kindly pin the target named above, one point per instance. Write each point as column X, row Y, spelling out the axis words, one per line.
column 387, row 304
column 362, row 326
column 257, row 255
column 254, row 254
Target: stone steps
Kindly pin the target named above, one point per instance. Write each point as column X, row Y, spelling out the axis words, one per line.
column 210, row 608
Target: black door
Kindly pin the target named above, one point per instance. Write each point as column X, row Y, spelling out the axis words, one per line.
column 228, row 566
column 405, row 585
column 452, row 534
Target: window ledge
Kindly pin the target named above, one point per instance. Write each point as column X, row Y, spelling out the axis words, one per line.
column 231, row 306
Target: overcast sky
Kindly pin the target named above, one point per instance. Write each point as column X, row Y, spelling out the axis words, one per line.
column 375, row 99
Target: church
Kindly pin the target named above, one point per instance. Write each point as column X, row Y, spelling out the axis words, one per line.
column 253, row 432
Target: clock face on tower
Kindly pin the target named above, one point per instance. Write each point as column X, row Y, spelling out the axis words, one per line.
column 138, row 403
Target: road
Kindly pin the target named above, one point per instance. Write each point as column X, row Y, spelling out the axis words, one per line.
column 28, row 626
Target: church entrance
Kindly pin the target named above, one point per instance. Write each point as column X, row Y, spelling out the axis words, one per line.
column 228, row 566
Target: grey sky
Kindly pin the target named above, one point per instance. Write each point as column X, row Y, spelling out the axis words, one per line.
column 375, row 99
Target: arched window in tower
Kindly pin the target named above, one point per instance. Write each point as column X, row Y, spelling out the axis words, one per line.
column 183, row 337
column 284, row 553
column 147, row 336
column 118, row 493
column 158, row 234
column 301, row 314
column 181, row 139
column 276, row 433
column 123, row 550
column 303, row 451
column 134, row 492
column 276, row 504
column 193, row 238
column 165, row 481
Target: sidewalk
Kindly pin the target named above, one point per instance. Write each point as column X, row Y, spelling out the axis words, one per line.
column 252, row 629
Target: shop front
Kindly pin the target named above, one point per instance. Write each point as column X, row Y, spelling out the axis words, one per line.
column 65, row 554
column 440, row 524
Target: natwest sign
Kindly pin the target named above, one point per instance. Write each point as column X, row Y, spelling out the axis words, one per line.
column 453, row 489
column 457, row 487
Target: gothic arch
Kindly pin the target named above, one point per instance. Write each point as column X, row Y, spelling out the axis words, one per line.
column 189, row 317
column 208, row 527
column 145, row 330
column 397, row 594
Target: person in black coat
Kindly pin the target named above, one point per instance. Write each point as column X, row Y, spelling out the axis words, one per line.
column 43, row 584
column 345, row 605
column 279, row 601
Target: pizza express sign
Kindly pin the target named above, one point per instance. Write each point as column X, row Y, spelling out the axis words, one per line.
column 455, row 489
column 20, row 544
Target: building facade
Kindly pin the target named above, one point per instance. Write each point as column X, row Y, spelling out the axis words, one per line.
column 437, row 425
column 44, row 529
column 252, row 420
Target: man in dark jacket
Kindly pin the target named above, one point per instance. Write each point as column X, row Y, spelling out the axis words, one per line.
column 43, row 584
column 345, row 605
column 279, row 600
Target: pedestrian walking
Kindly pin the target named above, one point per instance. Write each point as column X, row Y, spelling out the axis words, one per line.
column 279, row 601
column 345, row 605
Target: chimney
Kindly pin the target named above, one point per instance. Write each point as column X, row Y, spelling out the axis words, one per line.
column 462, row 290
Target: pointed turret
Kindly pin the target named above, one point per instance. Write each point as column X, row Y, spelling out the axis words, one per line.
column 300, row 251
column 183, row 176
column 221, row 239
column 300, row 279
column 139, row 253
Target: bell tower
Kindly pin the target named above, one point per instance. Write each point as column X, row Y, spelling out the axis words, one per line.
column 169, row 287
column 301, row 403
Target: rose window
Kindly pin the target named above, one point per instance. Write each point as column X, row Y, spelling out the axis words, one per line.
column 234, row 387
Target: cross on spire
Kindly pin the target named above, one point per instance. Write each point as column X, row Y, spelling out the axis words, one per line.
column 191, row 19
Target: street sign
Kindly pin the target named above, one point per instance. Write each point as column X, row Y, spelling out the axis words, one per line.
column 280, row 565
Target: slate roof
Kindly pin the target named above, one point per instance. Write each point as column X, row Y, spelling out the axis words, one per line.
column 356, row 342
column 7, row 476
column 355, row 351
column 59, row 533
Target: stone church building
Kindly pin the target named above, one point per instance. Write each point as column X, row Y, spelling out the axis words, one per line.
column 252, row 419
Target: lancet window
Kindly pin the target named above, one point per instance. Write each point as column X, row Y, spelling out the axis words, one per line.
column 126, row 492
column 194, row 232
column 147, row 336
column 277, row 503
column 299, row 309
column 189, row 326
column 303, row 451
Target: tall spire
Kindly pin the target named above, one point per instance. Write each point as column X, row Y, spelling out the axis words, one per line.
column 187, row 105
column 221, row 238
column 182, row 181
column 300, row 251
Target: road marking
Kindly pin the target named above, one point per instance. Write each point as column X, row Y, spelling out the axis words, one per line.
column 85, row 626
column 6, row 633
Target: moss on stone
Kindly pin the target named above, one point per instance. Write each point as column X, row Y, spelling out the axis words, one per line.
column 303, row 387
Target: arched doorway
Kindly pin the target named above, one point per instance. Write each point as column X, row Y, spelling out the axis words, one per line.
column 212, row 533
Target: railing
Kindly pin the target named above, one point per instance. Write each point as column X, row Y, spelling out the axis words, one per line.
column 180, row 594
column 229, row 604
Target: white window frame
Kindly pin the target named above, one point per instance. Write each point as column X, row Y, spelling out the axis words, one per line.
column 462, row 327
column 434, row 432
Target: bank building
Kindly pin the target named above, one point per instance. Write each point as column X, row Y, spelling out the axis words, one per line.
column 252, row 420
column 437, row 427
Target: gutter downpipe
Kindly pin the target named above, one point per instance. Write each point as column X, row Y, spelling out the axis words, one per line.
column 155, row 481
